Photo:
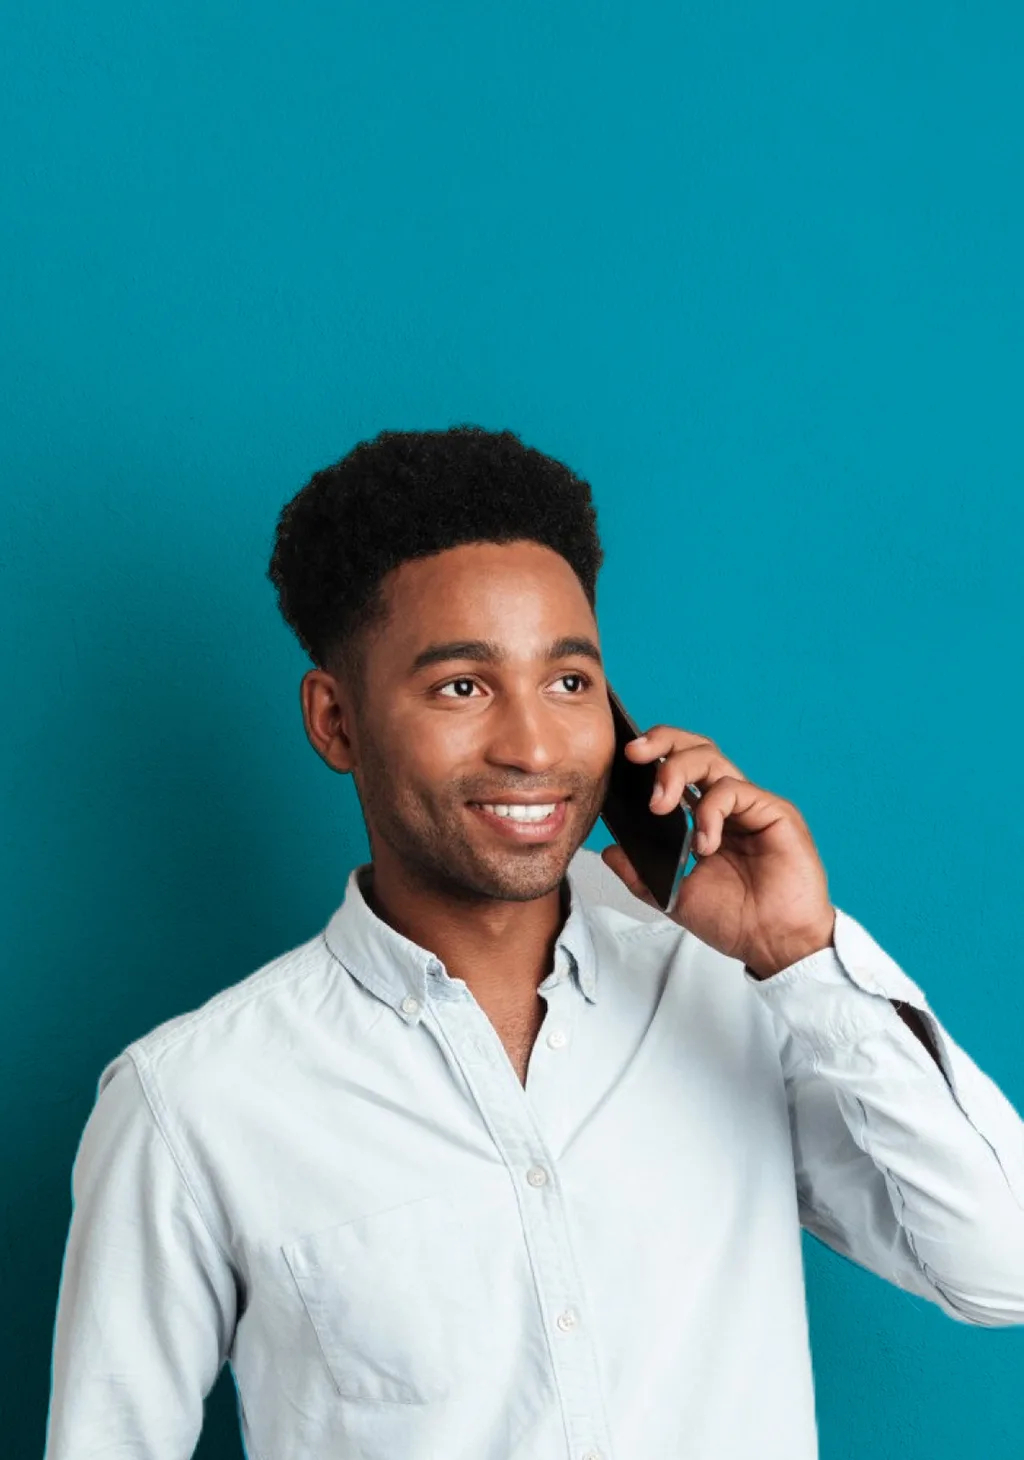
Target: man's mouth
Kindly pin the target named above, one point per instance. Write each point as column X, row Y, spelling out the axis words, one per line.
column 523, row 820
column 519, row 810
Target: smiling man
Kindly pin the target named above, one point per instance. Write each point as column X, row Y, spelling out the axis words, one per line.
column 484, row 767
column 505, row 1163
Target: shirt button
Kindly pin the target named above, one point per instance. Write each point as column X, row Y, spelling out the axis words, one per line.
column 410, row 1005
column 592, row 1455
column 567, row 1320
column 536, row 1176
column 557, row 1038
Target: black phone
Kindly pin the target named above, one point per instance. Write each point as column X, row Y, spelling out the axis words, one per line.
column 657, row 845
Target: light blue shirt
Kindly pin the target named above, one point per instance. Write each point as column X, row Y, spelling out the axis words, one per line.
column 331, row 1177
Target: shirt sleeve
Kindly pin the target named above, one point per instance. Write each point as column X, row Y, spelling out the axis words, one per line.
column 147, row 1301
column 916, row 1174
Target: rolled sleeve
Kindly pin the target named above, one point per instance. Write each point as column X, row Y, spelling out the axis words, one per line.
column 915, row 1174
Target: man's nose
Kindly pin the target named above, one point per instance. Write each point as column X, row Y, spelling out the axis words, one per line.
column 526, row 734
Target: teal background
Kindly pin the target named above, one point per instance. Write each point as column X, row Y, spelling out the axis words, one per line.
column 753, row 269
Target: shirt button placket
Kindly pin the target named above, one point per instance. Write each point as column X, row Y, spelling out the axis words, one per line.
column 510, row 1119
column 572, row 1367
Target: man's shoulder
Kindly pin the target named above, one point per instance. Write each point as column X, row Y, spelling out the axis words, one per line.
column 638, row 938
column 232, row 1021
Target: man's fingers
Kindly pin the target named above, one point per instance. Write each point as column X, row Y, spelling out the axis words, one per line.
column 614, row 857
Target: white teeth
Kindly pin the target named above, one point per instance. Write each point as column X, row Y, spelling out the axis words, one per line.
column 521, row 813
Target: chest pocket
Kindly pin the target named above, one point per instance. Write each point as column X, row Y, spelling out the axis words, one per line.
column 397, row 1299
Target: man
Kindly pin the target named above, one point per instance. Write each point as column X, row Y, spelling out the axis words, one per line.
column 506, row 1164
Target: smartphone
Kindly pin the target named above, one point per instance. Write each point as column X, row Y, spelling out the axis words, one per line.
column 658, row 846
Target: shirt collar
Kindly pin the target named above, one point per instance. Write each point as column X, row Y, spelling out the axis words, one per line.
column 400, row 972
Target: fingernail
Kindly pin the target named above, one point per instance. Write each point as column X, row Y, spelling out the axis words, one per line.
column 701, row 842
column 658, row 792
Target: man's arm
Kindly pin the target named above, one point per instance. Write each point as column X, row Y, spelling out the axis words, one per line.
column 147, row 1298
column 909, row 1159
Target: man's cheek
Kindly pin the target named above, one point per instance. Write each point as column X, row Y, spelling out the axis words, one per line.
column 595, row 749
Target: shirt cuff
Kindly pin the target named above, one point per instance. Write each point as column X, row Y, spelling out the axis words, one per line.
column 842, row 993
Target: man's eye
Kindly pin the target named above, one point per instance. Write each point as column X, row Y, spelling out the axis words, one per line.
column 452, row 682
column 582, row 678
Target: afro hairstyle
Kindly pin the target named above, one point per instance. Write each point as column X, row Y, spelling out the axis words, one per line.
column 411, row 494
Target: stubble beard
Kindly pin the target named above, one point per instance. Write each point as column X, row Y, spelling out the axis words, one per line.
column 432, row 840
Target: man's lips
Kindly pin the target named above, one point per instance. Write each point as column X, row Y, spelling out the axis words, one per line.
column 523, row 831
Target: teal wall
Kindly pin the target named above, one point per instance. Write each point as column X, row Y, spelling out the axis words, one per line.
column 755, row 269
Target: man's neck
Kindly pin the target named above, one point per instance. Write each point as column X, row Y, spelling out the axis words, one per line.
column 501, row 950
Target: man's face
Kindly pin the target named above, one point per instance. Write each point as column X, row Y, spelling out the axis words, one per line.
column 445, row 730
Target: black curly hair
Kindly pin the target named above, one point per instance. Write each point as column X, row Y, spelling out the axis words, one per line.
column 409, row 494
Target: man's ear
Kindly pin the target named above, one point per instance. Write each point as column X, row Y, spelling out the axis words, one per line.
column 328, row 718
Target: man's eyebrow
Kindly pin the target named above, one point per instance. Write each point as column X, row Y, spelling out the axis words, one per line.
column 486, row 651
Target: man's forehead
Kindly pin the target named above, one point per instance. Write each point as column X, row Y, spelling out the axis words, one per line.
column 471, row 576
column 490, row 603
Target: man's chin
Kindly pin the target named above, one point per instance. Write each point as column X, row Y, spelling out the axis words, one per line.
column 523, row 879
column 464, row 872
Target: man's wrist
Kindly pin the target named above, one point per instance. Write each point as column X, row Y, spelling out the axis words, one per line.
column 792, row 951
